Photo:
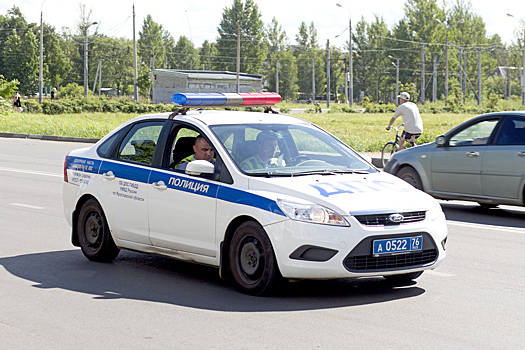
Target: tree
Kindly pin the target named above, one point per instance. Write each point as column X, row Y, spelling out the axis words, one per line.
column 208, row 55
column 57, row 63
column 186, row 56
column 279, row 53
column 150, row 43
column 307, row 54
column 252, row 38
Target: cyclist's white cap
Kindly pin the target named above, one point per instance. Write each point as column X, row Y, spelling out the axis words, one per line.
column 404, row 96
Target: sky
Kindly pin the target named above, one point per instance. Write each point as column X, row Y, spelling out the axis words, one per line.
column 199, row 19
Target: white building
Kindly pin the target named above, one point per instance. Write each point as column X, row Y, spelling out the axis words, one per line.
column 166, row 82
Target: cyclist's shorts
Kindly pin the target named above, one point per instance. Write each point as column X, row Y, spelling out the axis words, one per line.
column 408, row 136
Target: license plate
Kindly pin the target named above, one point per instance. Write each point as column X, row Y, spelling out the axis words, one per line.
column 397, row 245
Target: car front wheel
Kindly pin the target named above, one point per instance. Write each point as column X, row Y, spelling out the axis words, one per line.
column 251, row 259
column 411, row 176
column 93, row 233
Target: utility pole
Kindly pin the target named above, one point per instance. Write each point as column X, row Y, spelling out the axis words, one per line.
column 135, row 86
column 86, row 78
column 313, row 79
column 422, row 72
column 327, row 73
column 41, row 64
column 277, row 76
column 434, row 81
column 479, row 76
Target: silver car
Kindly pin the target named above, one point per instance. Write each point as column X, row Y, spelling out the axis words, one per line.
column 481, row 160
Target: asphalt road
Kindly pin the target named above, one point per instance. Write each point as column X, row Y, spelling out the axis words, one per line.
column 51, row 297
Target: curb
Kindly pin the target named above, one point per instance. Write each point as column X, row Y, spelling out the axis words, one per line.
column 48, row 137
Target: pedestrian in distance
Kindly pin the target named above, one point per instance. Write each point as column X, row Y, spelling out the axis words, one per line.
column 17, row 103
column 411, row 118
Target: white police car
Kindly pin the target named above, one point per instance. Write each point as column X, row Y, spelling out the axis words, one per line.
column 306, row 206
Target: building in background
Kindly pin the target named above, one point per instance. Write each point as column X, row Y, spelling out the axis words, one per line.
column 166, row 82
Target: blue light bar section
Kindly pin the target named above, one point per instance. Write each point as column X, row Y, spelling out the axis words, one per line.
column 226, row 99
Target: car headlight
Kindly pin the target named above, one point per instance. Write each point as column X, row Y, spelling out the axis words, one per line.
column 435, row 212
column 311, row 213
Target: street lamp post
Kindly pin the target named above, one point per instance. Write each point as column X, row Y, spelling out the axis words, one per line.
column 350, row 63
column 397, row 73
column 522, row 81
column 86, row 26
column 239, row 46
column 447, row 27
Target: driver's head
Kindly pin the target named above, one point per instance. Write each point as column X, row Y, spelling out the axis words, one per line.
column 202, row 149
column 266, row 144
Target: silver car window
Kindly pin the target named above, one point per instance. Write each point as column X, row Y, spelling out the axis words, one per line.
column 476, row 134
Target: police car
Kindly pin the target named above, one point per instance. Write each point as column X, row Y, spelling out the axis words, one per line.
column 306, row 206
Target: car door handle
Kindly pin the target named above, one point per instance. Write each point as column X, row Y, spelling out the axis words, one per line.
column 109, row 175
column 521, row 154
column 160, row 185
column 472, row 154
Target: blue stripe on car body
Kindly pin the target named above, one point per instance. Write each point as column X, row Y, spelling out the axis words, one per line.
column 176, row 182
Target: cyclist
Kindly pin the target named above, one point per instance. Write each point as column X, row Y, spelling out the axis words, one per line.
column 411, row 118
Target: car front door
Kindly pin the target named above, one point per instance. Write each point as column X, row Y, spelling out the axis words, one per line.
column 182, row 211
column 456, row 167
column 503, row 166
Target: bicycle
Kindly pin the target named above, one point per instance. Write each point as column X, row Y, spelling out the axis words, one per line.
column 391, row 146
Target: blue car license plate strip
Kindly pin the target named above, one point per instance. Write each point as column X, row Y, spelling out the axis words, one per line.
column 397, row 245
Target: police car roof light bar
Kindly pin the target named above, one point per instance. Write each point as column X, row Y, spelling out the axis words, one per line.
column 226, row 99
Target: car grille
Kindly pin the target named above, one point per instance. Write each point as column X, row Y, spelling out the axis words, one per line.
column 389, row 262
column 382, row 219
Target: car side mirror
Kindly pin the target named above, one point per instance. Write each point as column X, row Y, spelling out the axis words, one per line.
column 198, row 167
column 440, row 140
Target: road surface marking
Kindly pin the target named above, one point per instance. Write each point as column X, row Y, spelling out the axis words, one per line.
column 487, row 227
column 31, row 172
column 27, row 206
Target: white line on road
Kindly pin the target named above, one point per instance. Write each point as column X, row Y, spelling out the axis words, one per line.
column 487, row 227
column 31, row 172
column 27, row 206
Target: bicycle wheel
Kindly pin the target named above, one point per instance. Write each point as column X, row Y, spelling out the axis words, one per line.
column 388, row 149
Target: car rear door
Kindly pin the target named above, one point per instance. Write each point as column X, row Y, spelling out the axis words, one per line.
column 503, row 165
column 124, row 179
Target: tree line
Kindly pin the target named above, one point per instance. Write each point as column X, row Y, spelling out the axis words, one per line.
column 414, row 49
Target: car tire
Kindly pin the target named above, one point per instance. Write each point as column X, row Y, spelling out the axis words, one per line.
column 94, row 235
column 252, row 262
column 388, row 150
column 403, row 278
column 410, row 175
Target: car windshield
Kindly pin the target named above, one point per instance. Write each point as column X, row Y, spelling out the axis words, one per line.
column 288, row 150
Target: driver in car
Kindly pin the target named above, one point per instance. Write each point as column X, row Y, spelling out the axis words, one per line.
column 266, row 147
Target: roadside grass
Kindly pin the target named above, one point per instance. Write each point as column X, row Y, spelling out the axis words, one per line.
column 365, row 132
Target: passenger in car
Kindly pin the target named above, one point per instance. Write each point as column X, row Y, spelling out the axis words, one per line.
column 266, row 147
column 202, row 151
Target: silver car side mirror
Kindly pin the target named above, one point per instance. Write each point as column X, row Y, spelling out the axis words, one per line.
column 440, row 140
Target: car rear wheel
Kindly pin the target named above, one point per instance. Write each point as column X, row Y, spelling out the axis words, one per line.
column 252, row 261
column 403, row 278
column 411, row 176
column 93, row 233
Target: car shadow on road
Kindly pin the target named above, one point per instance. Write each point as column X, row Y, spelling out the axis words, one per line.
column 507, row 216
column 157, row 279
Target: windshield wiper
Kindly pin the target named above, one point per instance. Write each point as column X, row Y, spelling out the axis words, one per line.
column 314, row 172
column 351, row 172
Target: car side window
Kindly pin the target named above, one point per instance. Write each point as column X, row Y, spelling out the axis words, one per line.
column 476, row 134
column 140, row 142
column 512, row 132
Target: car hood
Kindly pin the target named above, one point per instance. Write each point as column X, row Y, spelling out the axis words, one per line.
column 347, row 193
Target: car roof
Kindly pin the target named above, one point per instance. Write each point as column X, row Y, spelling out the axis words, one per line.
column 221, row 117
